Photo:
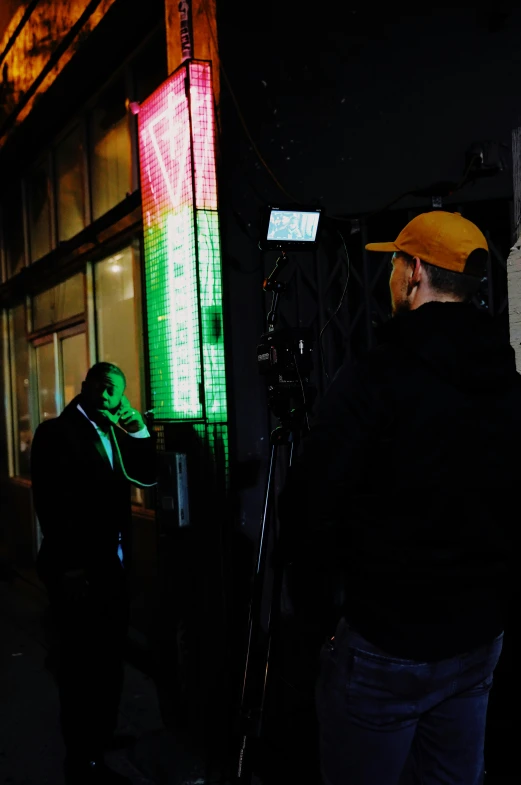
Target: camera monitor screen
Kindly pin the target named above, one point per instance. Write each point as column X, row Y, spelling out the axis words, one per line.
column 292, row 227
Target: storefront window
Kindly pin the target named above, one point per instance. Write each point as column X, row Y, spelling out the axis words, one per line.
column 21, row 392
column 70, row 184
column 59, row 303
column 116, row 319
column 110, row 153
column 48, row 394
column 39, row 211
column 74, row 365
column 13, row 231
column 117, row 326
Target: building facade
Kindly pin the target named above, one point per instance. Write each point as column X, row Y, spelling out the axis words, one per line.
column 110, row 250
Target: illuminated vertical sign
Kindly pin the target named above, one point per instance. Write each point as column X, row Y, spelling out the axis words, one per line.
column 182, row 248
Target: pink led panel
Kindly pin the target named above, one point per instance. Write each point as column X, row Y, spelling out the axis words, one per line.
column 201, row 97
column 165, row 150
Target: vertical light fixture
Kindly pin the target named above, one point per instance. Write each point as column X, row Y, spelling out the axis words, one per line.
column 182, row 249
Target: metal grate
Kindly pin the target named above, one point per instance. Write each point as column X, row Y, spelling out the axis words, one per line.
column 183, row 273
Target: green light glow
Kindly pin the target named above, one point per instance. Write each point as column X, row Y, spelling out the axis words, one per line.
column 211, row 314
column 184, row 316
column 182, row 255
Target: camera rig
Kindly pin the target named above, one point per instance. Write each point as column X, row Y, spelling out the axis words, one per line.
column 285, row 359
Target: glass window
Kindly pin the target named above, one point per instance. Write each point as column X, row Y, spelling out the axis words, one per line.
column 39, row 211
column 70, row 185
column 110, row 153
column 13, row 231
column 21, row 388
column 116, row 319
column 48, row 393
column 74, row 365
column 59, row 303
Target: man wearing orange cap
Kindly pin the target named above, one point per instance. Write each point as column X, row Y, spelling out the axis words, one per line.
column 406, row 480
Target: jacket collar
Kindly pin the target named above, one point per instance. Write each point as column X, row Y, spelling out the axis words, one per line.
column 79, row 421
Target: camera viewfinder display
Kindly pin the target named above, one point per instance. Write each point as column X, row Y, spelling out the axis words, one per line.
column 292, row 226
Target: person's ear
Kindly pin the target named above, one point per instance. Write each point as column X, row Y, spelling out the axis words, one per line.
column 418, row 270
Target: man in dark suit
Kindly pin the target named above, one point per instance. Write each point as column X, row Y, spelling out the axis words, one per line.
column 82, row 465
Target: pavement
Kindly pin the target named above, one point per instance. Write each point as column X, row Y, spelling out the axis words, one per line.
column 31, row 749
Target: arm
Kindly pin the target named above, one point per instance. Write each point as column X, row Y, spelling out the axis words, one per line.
column 135, row 445
column 57, row 509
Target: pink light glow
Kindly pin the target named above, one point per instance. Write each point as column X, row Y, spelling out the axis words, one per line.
column 164, row 142
column 201, row 97
column 164, row 147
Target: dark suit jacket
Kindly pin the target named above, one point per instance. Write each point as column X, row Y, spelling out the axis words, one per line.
column 82, row 503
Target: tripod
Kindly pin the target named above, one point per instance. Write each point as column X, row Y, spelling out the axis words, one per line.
column 259, row 641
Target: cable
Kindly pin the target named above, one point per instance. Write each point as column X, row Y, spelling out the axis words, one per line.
column 337, row 308
column 135, row 482
column 241, row 116
column 302, row 388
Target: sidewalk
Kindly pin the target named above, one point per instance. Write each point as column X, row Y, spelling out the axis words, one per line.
column 31, row 749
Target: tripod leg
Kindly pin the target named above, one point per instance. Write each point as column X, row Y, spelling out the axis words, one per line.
column 253, row 689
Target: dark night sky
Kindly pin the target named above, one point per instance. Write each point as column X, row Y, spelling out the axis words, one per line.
column 353, row 106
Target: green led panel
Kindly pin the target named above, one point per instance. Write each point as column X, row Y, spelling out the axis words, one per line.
column 167, row 187
column 183, row 272
column 211, row 314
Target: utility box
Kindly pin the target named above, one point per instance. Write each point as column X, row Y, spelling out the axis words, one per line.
column 173, row 508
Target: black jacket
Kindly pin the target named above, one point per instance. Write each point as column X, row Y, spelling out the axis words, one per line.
column 82, row 503
column 408, row 480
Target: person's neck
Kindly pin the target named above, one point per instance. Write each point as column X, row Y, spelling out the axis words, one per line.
column 93, row 414
column 422, row 298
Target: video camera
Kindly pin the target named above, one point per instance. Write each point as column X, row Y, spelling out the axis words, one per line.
column 285, row 356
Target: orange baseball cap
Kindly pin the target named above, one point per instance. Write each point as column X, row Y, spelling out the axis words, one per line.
column 442, row 239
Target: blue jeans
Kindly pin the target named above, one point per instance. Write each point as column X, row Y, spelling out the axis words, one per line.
column 387, row 721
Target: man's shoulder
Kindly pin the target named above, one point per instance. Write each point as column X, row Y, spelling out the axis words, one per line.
column 48, row 426
column 378, row 361
column 56, row 425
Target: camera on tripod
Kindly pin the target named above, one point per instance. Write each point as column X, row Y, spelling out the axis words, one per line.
column 285, row 356
column 285, row 359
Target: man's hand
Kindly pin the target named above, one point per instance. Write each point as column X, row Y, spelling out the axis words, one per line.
column 130, row 419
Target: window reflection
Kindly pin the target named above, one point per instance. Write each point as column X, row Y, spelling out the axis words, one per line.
column 116, row 319
column 70, row 185
column 110, row 154
column 47, row 390
column 59, row 303
column 117, row 329
column 74, row 365
column 20, row 368
column 13, row 231
column 39, row 211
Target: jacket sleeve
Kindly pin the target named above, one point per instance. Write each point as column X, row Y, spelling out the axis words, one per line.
column 334, row 464
column 58, row 511
column 47, row 476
